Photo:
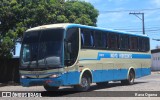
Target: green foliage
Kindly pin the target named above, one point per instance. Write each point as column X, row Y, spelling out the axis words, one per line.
column 18, row 15
column 81, row 12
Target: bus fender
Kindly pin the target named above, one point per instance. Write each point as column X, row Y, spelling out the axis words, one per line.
column 82, row 72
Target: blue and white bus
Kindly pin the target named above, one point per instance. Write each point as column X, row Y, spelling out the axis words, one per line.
column 77, row 55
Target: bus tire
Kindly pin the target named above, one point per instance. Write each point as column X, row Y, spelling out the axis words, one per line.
column 51, row 88
column 102, row 84
column 130, row 80
column 84, row 84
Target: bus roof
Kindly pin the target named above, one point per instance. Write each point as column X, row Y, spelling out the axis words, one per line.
column 68, row 25
column 60, row 25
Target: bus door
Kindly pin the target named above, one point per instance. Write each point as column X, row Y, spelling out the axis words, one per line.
column 71, row 54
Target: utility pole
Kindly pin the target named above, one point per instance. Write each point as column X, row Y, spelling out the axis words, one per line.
column 136, row 14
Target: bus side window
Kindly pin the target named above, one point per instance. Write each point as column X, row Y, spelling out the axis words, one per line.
column 113, row 41
column 105, row 37
column 147, row 44
column 143, row 44
column 87, row 39
column 100, row 40
column 123, row 40
column 133, row 43
column 140, row 44
column 92, row 41
column 82, row 39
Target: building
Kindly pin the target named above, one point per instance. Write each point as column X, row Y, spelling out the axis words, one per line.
column 155, row 60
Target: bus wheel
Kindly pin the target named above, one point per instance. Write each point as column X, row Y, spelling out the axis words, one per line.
column 130, row 80
column 51, row 88
column 102, row 84
column 84, row 84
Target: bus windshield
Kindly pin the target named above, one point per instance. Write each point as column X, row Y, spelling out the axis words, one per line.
column 42, row 49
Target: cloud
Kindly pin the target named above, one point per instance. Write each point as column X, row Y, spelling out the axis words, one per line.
column 111, row 20
column 156, row 2
column 114, row 16
column 118, row 2
column 152, row 16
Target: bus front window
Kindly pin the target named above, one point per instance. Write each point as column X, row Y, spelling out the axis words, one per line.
column 42, row 49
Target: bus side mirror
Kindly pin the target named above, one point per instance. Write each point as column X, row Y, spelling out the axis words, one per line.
column 69, row 47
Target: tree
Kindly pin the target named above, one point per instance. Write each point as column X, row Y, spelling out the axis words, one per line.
column 7, row 27
column 18, row 15
column 81, row 12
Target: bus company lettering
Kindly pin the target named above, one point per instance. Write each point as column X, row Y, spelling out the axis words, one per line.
column 125, row 56
column 114, row 55
column 121, row 55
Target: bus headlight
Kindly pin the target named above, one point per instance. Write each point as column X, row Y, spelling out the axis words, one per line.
column 55, row 75
column 22, row 76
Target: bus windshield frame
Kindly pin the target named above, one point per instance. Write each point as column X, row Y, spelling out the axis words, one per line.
column 42, row 49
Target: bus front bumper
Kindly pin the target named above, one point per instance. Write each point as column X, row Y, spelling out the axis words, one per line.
column 26, row 82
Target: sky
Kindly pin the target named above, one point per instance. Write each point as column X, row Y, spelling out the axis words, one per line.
column 114, row 14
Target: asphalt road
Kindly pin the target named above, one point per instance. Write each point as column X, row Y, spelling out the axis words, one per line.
column 144, row 87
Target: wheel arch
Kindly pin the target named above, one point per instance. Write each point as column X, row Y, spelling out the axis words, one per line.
column 86, row 71
column 131, row 69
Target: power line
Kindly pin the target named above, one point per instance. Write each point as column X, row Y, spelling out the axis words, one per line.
column 137, row 27
column 149, row 28
column 139, row 30
column 146, row 30
column 154, row 34
column 119, row 11
column 156, row 39
column 153, row 27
